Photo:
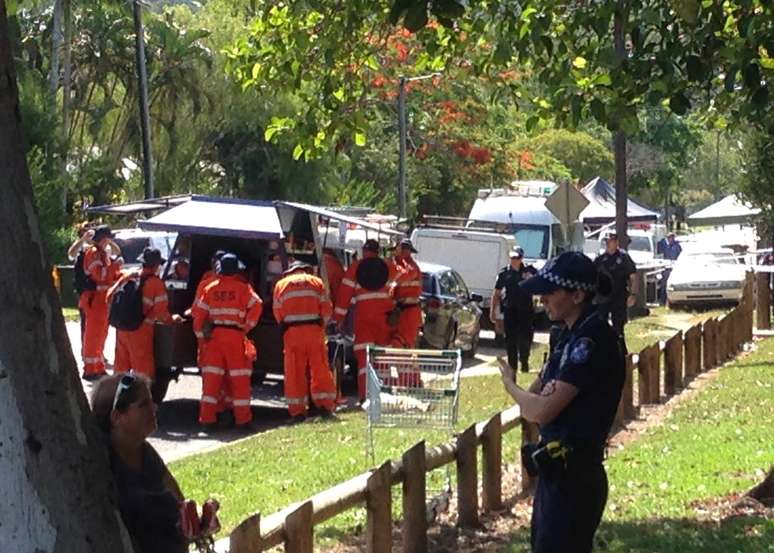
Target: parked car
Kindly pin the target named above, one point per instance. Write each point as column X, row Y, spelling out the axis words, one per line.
column 700, row 278
column 452, row 315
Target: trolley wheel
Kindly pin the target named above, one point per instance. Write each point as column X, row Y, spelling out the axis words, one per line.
column 471, row 353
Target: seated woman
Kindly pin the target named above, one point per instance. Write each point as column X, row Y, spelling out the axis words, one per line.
column 148, row 495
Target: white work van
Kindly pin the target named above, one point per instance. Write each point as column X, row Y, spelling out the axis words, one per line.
column 476, row 255
column 521, row 209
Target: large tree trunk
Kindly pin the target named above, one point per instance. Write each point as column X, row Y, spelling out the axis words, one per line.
column 55, row 485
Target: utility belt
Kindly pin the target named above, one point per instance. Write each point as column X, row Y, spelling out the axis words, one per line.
column 555, row 457
column 317, row 322
column 402, row 306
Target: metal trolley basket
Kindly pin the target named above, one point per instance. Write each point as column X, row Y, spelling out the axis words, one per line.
column 411, row 388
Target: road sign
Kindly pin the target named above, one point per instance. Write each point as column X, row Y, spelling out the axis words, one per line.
column 566, row 203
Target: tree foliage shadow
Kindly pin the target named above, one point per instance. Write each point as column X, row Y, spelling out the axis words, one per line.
column 666, row 535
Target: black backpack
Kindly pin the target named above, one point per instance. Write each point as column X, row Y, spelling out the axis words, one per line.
column 82, row 281
column 126, row 309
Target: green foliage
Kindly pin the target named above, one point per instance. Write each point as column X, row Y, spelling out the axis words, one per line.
column 584, row 156
column 757, row 184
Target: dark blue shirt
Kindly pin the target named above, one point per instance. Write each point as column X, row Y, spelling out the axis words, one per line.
column 590, row 357
column 618, row 266
column 669, row 251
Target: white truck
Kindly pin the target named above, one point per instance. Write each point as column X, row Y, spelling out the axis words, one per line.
column 521, row 210
column 476, row 255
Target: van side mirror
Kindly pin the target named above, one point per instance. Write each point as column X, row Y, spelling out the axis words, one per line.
column 478, row 298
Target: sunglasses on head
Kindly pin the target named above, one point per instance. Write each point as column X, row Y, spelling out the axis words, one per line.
column 124, row 384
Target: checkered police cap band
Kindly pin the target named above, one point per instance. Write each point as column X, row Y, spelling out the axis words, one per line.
column 546, row 273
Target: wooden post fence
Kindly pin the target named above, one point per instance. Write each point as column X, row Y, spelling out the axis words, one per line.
column 701, row 346
column 763, row 301
column 492, row 459
column 673, row 364
column 692, row 341
column 379, row 510
column 467, row 479
column 414, row 517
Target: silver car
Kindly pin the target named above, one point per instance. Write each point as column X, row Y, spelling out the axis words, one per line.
column 452, row 316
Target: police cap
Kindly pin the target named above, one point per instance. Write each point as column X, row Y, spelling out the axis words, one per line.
column 229, row 264
column 571, row 270
column 150, row 257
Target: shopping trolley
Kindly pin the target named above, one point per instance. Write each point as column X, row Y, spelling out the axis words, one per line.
column 411, row 388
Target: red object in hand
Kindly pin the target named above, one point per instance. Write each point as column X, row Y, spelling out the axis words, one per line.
column 210, row 524
column 189, row 519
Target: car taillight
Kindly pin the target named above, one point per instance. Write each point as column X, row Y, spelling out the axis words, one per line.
column 433, row 303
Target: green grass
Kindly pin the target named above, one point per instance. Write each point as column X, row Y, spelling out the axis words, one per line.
column 717, row 444
column 288, row 464
column 662, row 324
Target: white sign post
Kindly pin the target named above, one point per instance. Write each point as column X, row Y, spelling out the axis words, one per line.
column 566, row 203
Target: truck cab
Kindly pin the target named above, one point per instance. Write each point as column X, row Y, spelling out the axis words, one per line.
column 521, row 209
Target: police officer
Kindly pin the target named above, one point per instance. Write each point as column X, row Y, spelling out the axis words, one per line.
column 616, row 265
column 516, row 306
column 573, row 401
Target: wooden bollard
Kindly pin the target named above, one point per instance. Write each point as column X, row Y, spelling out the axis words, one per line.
column 643, row 376
column 379, row 510
column 692, row 343
column 655, row 373
column 708, row 346
column 492, row 458
column 721, row 340
column 300, row 530
column 529, row 435
column 467, row 478
column 627, row 396
column 246, row 538
column 673, row 364
column 414, row 530
column 763, row 301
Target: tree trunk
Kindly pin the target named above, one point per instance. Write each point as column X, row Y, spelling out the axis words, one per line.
column 55, row 482
column 619, row 138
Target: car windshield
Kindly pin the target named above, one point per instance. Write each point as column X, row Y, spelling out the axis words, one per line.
column 450, row 286
column 534, row 241
column 699, row 259
column 640, row 244
column 131, row 248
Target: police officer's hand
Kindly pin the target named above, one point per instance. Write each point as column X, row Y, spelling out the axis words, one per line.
column 506, row 372
column 177, row 319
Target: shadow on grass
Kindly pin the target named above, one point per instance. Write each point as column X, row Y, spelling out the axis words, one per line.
column 735, row 535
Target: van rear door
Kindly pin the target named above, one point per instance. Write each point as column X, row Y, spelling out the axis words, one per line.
column 476, row 258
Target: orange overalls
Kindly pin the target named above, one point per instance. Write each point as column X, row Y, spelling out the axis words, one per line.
column 408, row 290
column 372, row 308
column 334, row 272
column 302, row 306
column 233, row 308
column 97, row 266
column 134, row 348
column 225, row 401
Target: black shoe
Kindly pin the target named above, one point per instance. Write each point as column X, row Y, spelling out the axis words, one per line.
column 328, row 415
column 246, row 428
column 297, row 419
column 207, row 429
column 93, row 377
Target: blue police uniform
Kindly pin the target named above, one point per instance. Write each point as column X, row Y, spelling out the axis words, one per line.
column 572, row 489
column 518, row 314
column 618, row 267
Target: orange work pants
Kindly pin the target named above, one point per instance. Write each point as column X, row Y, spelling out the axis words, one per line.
column 373, row 331
column 407, row 331
column 95, row 307
column 134, row 350
column 225, row 401
column 305, row 347
column 224, row 359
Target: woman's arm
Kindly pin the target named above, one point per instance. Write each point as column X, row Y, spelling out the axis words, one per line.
column 538, row 405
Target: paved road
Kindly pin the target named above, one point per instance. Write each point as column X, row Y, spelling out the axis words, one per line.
column 178, row 434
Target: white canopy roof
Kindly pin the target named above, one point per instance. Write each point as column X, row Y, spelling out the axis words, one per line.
column 730, row 210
